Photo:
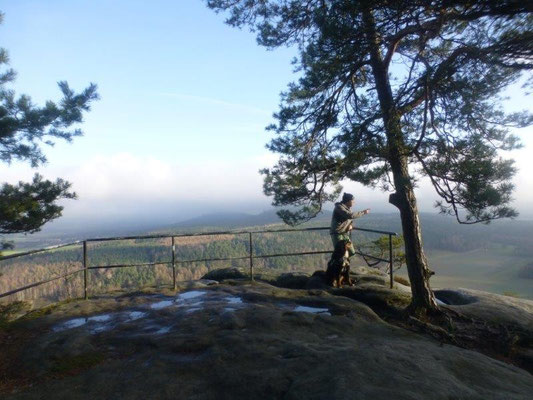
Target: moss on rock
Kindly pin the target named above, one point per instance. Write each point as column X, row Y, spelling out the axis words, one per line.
column 69, row 365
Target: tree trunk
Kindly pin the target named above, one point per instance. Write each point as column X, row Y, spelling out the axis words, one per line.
column 404, row 199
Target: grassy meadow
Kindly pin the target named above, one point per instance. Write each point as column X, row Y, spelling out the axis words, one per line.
column 492, row 270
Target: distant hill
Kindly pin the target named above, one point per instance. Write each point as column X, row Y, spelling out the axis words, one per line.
column 229, row 220
column 439, row 232
column 232, row 220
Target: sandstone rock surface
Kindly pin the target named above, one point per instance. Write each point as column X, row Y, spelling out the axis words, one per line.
column 239, row 340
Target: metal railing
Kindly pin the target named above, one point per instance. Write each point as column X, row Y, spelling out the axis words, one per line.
column 174, row 262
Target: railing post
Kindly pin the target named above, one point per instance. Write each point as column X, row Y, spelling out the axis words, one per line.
column 174, row 262
column 251, row 258
column 85, row 271
column 391, row 262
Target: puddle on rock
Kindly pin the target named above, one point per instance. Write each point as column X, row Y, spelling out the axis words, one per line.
column 163, row 330
column 234, row 300
column 73, row 323
column 181, row 300
column 440, row 302
column 100, row 318
column 134, row 315
column 95, row 322
column 161, row 304
column 190, row 295
column 313, row 310
column 146, row 321
column 100, row 328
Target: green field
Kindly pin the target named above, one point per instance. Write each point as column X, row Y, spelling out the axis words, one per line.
column 9, row 252
column 492, row 270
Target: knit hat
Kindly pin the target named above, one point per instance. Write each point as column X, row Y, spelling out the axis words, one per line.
column 347, row 197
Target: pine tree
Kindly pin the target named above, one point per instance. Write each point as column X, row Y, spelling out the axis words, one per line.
column 390, row 91
column 24, row 127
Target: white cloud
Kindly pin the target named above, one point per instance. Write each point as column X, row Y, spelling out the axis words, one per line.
column 125, row 180
column 120, row 176
column 126, row 184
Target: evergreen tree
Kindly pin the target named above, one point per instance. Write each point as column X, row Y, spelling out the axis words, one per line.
column 24, row 127
column 381, row 248
column 393, row 90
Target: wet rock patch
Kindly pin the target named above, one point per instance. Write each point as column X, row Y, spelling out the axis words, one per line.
column 454, row 297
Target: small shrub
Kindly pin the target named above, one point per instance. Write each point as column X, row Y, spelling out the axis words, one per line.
column 41, row 312
column 511, row 294
column 402, row 280
column 374, row 271
column 9, row 310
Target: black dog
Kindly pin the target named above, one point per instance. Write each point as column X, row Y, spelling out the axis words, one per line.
column 338, row 272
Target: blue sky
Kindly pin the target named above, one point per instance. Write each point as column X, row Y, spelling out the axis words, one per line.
column 171, row 75
column 179, row 129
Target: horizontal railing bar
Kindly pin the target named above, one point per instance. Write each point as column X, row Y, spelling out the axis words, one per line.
column 182, row 261
column 179, row 261
column 25, row 253
column 292, row 254
column 228, row 233
column 129, row 265
column 227, row 259
column 39, row 283
column 369, row 256
column 376, row 231
column 107, row 239
column 318, row 228
column 167, row 262
column 212, row 259
column 314, row 252
column 197, row 234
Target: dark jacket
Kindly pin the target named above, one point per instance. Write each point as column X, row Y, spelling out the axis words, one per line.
column 342, row 218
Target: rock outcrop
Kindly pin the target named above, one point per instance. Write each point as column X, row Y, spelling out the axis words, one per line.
column 238, row 340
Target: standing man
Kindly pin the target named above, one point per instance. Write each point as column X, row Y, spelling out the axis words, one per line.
column 341, row 220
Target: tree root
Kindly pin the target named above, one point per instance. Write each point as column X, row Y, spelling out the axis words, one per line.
column 508, row 343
